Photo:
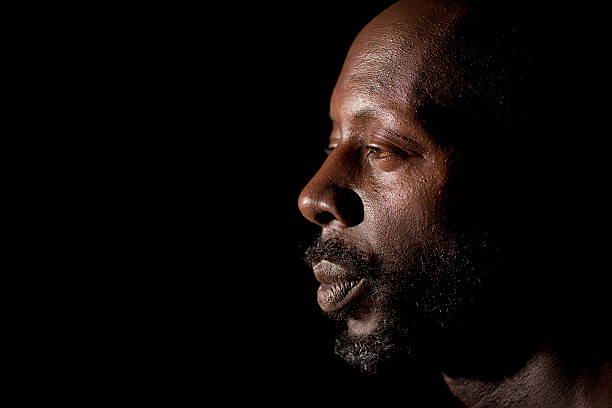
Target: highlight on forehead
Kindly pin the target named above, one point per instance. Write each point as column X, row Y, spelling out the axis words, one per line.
column 396, row 45
column 450, row 65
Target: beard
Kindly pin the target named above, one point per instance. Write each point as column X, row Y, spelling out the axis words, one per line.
column 419, row 299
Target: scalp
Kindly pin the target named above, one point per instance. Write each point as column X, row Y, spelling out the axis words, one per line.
column 459, row 59
column 404, row 40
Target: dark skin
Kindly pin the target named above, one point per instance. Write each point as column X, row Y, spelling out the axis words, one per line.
column 381, row 155
column 388, row 186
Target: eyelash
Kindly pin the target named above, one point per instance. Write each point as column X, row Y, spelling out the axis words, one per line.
column 377, row 150
column 369, row 150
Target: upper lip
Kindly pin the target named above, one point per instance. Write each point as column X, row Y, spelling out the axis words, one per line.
column 328, row 273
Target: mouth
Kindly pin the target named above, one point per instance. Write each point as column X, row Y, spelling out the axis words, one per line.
column 338, row 287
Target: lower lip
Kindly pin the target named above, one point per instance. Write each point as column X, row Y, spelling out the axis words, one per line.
column 334, row 296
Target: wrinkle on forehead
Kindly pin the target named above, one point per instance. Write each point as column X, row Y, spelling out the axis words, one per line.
column 392, row 52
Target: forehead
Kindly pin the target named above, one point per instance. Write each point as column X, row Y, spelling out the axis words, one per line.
column 396, row 59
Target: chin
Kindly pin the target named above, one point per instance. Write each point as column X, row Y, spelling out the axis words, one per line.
column 363, row 325
column 368, row 340
column 366, row 350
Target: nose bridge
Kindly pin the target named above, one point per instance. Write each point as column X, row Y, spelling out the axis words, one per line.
column 330, row 195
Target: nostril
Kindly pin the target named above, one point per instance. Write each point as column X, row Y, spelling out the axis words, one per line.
column 324, row 217
column 345, row 207
column 350, row 207
column 325, row 203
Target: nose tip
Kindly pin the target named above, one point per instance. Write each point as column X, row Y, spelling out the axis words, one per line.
column 325, row 205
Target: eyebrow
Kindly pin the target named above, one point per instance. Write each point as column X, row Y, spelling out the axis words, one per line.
column 363, row 113
column 370, row 113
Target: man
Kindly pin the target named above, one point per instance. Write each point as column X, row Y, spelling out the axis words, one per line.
column 444, row 205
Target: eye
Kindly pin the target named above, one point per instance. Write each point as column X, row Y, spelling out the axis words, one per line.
column 329, row 149
column 386, row 158
column 376, row 153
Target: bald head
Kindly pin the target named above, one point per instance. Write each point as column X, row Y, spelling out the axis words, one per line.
column 452, row 59
column 403, row 41
column 443, row 203
column 455, row 73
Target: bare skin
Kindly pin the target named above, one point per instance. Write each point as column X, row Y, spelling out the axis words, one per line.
column 543, row 382
column 378, row 146
column 385, row 190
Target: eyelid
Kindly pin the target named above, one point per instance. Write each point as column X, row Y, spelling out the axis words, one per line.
column 330, row 147
column 399, row 149
column 401, row 143
column 381, row 148
column 377, row 151
column 333, row 143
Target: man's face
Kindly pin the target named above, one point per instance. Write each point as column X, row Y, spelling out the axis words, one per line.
column 390, row 267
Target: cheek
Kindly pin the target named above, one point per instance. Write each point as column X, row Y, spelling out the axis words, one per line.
column 403, row 212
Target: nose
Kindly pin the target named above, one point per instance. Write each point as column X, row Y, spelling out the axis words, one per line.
column 329, row 199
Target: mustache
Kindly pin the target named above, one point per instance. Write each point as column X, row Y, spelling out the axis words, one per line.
column 358, row 262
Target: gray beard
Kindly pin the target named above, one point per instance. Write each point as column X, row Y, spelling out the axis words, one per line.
column 418, row 308
column 368, row 353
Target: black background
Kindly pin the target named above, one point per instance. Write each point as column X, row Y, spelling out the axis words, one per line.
column 185, row 137
column 231, row 111
column 241, row 310
column 282, row 65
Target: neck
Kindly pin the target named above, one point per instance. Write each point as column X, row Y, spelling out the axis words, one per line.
column 544, row 381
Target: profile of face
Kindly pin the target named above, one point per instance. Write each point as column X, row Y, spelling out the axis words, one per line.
column 409, row 210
